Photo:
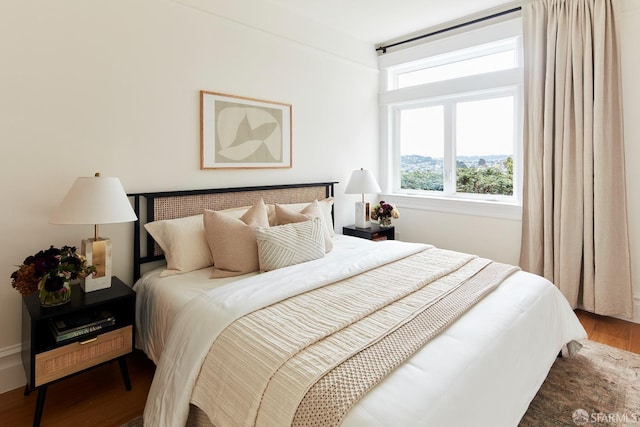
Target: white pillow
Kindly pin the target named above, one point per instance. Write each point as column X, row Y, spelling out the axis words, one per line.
column 326, row 206
column 183, row 243
column 290, row 244
column 236, row 212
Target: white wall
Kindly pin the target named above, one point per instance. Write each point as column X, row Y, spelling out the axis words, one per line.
column 493, row 238
column 113, row 86
column 499, row 239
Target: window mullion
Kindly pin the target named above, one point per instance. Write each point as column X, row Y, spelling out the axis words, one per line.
column 449, row 149
column 394, row 133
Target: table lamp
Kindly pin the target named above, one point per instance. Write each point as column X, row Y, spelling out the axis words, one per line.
column 361, row 182
column 95, row 200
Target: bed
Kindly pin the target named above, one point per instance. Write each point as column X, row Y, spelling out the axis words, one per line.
column 444, row 338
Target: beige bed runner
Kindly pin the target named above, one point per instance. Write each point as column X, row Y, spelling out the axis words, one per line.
column 307, row 360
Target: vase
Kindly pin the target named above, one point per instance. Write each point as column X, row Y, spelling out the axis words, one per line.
column 53, row 298
column 384, row 222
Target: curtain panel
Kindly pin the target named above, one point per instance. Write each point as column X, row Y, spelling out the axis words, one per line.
column 574, row 229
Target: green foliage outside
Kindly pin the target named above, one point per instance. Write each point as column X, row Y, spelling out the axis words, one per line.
column 488, row 180
column 422, row 180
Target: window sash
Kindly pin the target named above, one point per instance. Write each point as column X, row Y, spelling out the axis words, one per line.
column 457, row 57
column 450, row 158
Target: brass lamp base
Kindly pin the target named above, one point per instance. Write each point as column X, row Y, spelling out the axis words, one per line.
column 98, row 253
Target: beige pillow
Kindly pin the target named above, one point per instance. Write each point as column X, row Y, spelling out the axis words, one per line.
column 232, row 241
column 288, row 215
column 183, row 243
column 290, row 244
column 325, row 204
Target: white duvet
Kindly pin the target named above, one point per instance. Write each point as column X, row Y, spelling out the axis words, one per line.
column 483, row 370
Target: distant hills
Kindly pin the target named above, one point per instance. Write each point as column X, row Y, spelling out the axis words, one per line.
column 416, row 162
column 413, row 159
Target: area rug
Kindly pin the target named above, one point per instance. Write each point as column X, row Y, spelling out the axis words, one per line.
column 600, row 386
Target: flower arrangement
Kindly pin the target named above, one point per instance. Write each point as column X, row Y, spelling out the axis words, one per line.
column 50, row 271
column 383, row 212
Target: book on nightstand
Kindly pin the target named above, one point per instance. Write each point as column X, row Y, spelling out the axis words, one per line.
column 72, row 326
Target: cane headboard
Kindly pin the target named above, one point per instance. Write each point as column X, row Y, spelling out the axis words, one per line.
column 155, row 206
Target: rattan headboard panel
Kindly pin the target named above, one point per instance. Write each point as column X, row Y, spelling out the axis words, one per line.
column 181, row 206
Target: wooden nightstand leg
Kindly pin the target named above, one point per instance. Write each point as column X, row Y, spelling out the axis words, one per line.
column 42, row 393
column 125, row 372
column 27, row 390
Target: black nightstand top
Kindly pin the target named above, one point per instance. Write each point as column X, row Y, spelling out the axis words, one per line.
column 79, row 300
column 375, row 232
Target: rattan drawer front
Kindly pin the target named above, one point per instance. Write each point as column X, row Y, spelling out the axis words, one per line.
column 63, row 361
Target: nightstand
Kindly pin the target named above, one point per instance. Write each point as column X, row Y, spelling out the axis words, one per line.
column 46, row 361
column 375, row 232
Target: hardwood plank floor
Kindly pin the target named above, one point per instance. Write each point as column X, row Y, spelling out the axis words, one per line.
column 97, row 398
column 614, row 332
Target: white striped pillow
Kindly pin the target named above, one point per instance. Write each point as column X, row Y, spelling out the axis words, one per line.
column 290, row 244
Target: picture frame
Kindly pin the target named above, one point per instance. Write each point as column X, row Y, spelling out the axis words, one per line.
column 244, row 133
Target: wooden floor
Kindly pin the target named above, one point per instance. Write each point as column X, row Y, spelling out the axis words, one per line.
column 610, row 331
column 97, row 398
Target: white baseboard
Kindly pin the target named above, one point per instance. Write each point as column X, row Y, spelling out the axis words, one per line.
column 11, row 370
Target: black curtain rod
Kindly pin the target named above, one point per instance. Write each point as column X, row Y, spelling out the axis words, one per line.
column 444, row 30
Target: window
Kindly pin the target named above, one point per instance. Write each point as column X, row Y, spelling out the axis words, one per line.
column 496, row 56
column 454, row 117
column 476, row 157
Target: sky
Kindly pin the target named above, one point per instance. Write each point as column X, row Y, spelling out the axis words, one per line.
column 483, row 127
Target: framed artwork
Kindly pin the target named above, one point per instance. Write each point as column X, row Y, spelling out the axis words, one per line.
column 243, row 133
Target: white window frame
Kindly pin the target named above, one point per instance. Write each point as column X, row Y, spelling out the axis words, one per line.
column 488, row 85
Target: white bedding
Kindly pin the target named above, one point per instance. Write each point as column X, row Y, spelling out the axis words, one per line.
column 158, row 299
column 483, row 370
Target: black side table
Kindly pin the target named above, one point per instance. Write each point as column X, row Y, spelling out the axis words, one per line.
column 45, row 360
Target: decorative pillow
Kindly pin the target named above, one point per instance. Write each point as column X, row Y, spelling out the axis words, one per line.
column 183, row 242
column 235, row 212
column 288, row 215
column 327, row 208
column 325, row 204
column 290, row 244
column 232, row 241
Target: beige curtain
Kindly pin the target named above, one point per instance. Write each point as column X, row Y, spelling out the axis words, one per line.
column 574, row 229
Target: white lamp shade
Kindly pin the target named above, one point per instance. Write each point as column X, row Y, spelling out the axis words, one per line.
column 362, row 182
column 94, row 200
